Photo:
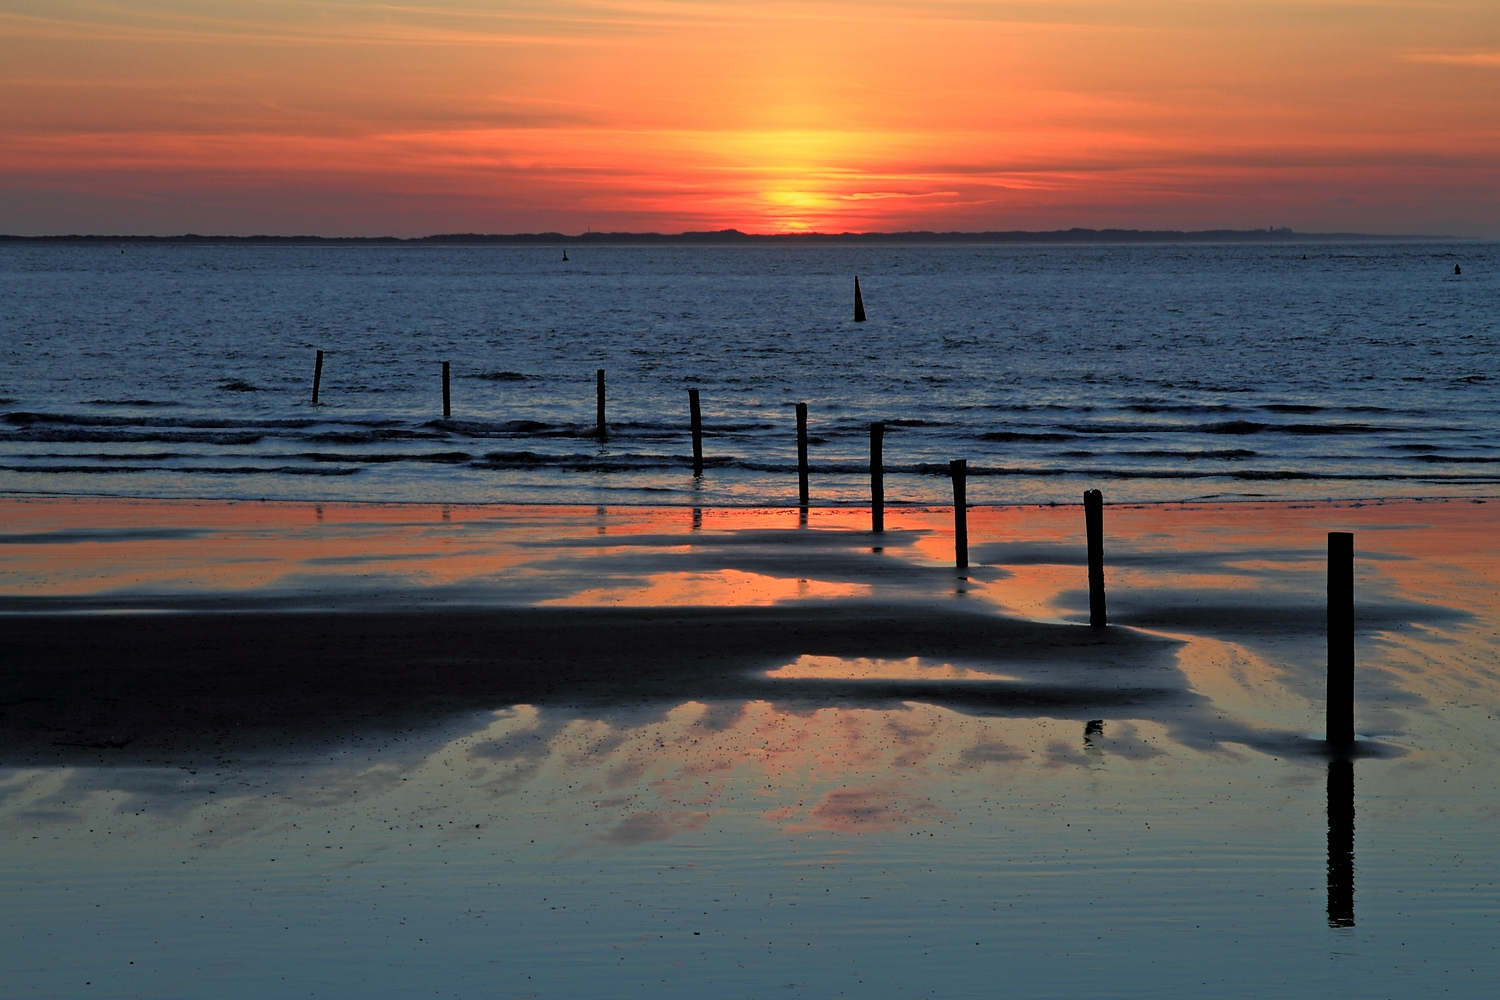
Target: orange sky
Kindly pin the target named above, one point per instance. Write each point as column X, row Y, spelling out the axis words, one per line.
column 345, row 117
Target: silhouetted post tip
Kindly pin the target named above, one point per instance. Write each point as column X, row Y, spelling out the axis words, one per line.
column 599, row 404
column 696, row 415
column 958, row 469
column 1340, row 720
column 317, row 377
column 802, row 491
column 859, row 303
column 447, row 408
column 1093, row 518
column 877, row 477
column 1457, row 269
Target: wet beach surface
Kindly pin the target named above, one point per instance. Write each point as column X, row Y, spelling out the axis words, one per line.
column 276, row 749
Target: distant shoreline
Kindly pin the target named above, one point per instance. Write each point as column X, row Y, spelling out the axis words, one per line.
column 733, row 237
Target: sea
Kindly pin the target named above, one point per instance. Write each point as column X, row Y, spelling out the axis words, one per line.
column 1161, row 372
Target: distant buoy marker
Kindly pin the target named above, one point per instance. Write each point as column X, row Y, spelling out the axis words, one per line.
column 565, row 255
column 859, row 303
column 1457, row 269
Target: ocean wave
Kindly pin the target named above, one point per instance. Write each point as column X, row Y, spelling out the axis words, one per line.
column 28, row 418
column 1231, row 454
column 79, row 435
column 118, row 402
column 1006, row 436
column 205, row 470
column 436, row 458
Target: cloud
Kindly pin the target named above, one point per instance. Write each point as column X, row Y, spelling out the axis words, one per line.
column 878, row 807
column 644, row 827
column 1487, row 59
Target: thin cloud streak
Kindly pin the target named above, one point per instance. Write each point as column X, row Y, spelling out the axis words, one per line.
column 1489, row 60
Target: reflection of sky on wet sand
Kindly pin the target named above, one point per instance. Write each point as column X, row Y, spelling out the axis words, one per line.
column 865, row 668
column 788, row 840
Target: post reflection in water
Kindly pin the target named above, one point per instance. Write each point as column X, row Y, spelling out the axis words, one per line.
column 1340, row 843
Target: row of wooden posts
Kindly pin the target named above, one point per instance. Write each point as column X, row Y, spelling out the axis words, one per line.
column 957, row 468
column 1340, row 709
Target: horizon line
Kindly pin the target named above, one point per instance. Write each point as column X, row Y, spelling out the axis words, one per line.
column 735, row 236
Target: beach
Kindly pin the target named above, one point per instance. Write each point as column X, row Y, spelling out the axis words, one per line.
column 678, row 751
column 721, row 500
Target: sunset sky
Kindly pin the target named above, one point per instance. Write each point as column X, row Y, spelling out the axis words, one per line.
column 346, row 117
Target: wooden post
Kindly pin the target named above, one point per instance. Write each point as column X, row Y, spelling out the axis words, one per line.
column 802, row 453
column 599, row 412
column 447, row 410
column 959, row 470
column 317, row 377
column 697, row 421
column 1340, row 638
column 1093, row 517
column 877, row 477
column 859, row 303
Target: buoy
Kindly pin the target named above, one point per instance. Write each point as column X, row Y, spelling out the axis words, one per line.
column 565, row 255
column 1457, row 269
column 859, row 303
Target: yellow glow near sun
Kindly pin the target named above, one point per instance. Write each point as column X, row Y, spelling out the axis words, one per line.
column 804, row 173
column 797, row 210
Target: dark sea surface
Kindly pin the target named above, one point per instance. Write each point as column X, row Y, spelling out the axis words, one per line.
column 1162, row 372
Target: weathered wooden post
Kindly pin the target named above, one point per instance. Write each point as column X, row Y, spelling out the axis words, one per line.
column 802, row 453
column 1093, row 517
column 1340, row 638
column 959, row 470
column 447, row 409
column 317, row 377
column 696, row 414
column 859, row 303
column 877, row 477
column 599, row 410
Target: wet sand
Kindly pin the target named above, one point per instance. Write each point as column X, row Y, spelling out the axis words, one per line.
column 181, row 683
column 147, row 627
column 509, row 707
